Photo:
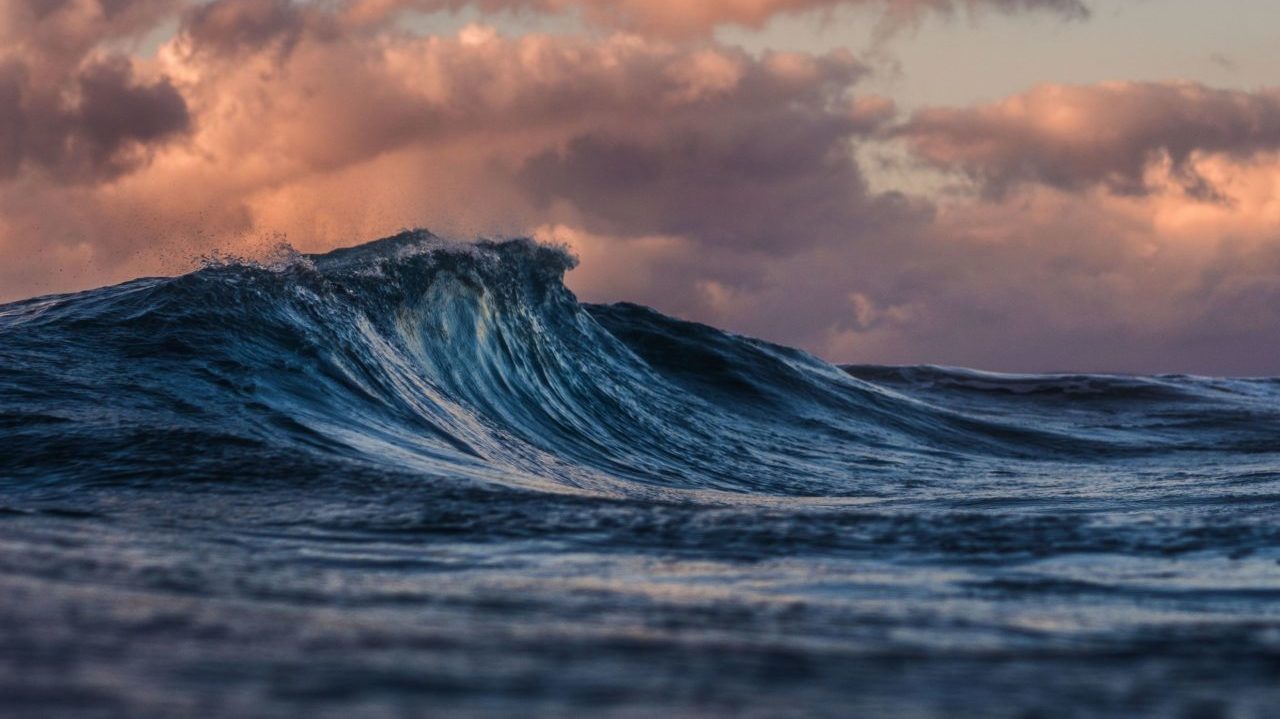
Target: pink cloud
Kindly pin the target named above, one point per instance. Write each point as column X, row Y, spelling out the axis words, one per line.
column 290, row 108
column 682, row 18
column 1076, row 136
column 71, row 108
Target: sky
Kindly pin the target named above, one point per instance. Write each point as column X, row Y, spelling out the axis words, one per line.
column 1017, row 185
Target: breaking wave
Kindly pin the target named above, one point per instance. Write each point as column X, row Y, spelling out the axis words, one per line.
column 475, row 361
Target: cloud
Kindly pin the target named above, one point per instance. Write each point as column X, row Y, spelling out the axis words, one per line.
column 110, row 125
column 1060, row 275
column 683, row 18
column 72, row 109
column 709, row 182
column 226, row 26
column 340, row 98
column 68, row 29
column 767, row 167
column 289, row 108
column 1075, row 137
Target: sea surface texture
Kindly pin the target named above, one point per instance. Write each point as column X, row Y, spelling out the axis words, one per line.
column 415, row 478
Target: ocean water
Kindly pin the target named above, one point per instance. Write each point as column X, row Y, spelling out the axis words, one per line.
column 415, row 478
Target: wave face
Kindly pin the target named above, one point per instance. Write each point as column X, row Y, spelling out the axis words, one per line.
column 417, row 475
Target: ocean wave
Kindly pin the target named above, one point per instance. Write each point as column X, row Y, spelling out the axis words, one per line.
column 420, row 477
column 475, row 361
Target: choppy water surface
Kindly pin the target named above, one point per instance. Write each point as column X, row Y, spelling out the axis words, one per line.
column 419, row 479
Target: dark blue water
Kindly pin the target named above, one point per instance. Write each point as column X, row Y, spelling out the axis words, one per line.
column 420, row 479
